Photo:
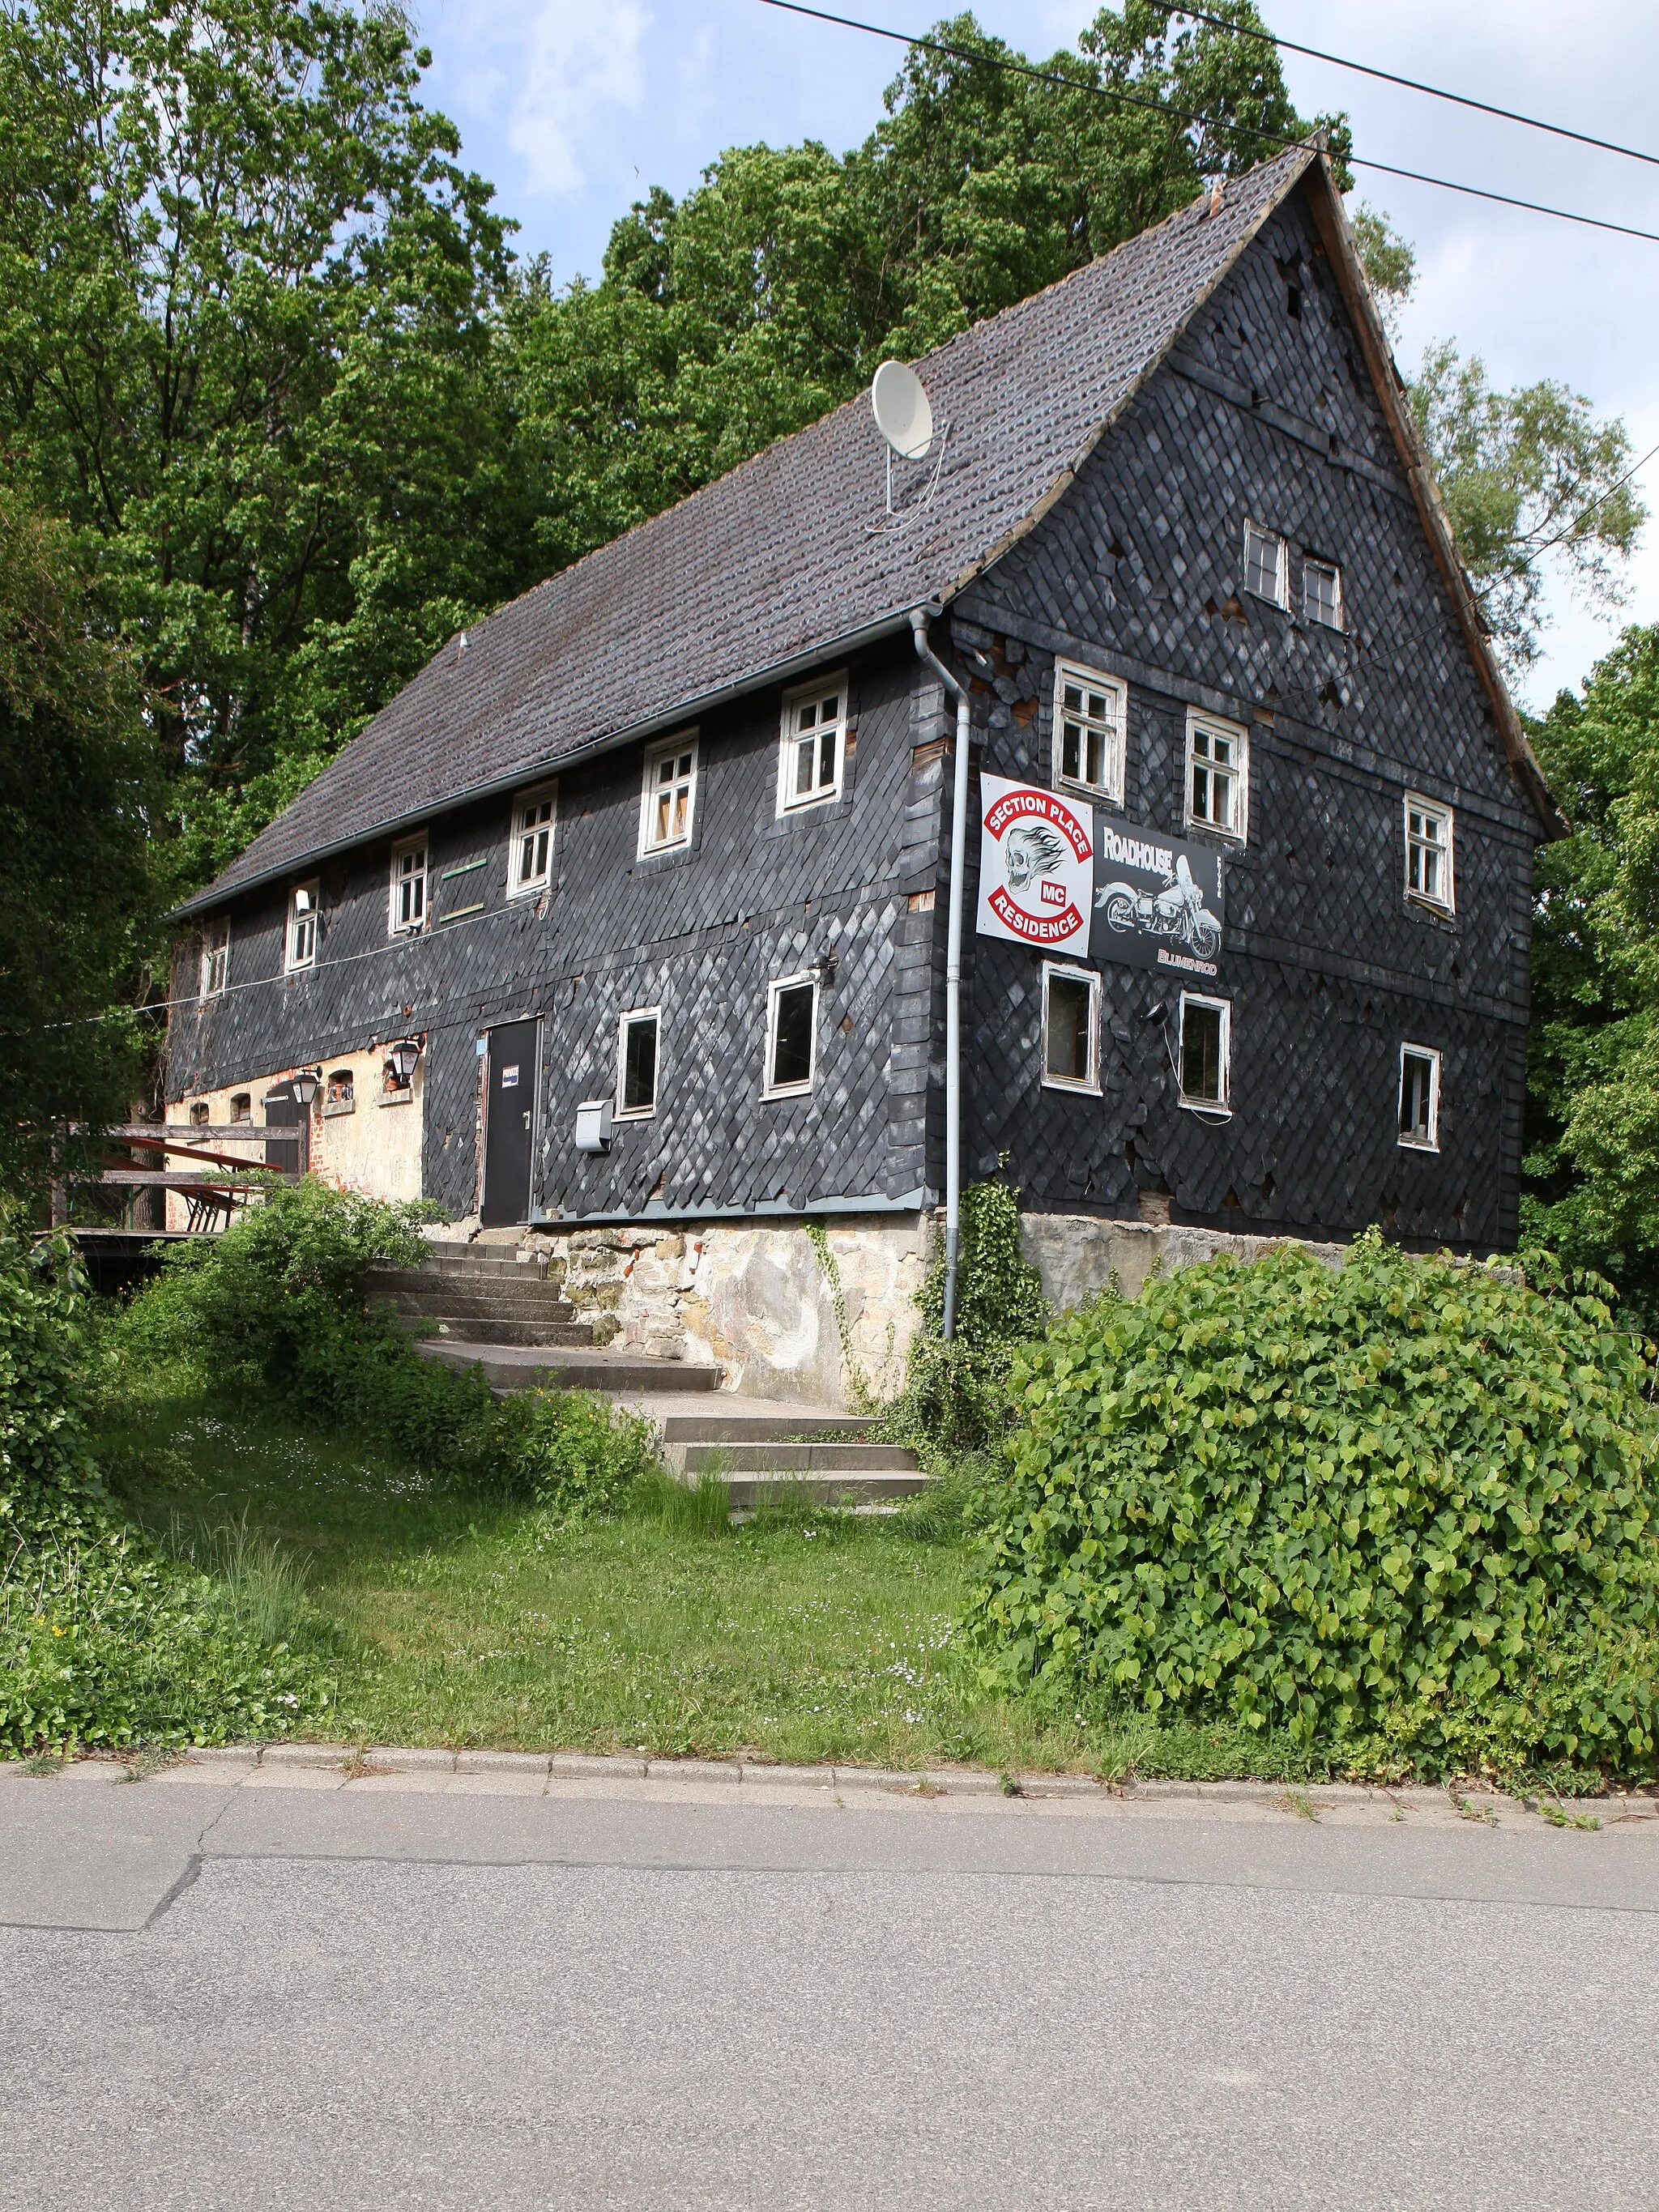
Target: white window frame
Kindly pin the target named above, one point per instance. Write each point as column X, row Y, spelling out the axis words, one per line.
column 1238, row 830
column 789, row 740
column 1429, row 1053
column 1434, row 810
column 523, row 831
column 685, row 741
column 1331, row 569
column 215, row 955
column 1089, row 1084
column 623, row 1111
column 397, row 882
column 1279, row 597
column 1092, row 679
column 775, row 990
column 1219, row 1107
column 296, row 960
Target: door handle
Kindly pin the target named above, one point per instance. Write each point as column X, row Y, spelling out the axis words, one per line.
column 526, row 1120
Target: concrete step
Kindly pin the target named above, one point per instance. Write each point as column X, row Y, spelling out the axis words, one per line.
column 751, row 1493
column 513, row 1302
column 785, row 1459
column 492, row 1329
column 450, row 1253
column 615, row 1374
column 754, row 1421
column 483, row 1272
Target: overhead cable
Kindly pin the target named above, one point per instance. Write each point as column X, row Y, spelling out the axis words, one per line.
column 1207, row 122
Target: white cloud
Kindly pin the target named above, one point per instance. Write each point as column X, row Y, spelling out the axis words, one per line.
column 579, row 59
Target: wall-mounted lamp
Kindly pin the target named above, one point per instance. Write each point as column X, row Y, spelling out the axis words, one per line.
column 402, row 1059
column 304, row 1086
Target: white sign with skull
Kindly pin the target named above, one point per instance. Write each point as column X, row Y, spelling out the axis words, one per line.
column 1036, row 865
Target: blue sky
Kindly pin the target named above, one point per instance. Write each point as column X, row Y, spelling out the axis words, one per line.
column 573, row 107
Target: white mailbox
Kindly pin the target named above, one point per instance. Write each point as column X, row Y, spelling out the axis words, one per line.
column 593, row 1126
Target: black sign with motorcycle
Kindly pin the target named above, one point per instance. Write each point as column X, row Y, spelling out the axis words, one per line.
column 1157, row 901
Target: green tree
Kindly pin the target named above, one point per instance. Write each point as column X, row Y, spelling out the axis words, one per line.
column 247, row 349
column 77, row 786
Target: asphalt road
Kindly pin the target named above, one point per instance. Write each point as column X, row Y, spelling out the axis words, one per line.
column 224, row 1989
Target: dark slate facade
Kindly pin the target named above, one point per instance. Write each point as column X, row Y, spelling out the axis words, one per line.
column 1264, row 403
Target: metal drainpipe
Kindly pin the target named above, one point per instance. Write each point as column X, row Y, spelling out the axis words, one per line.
column 952, row 972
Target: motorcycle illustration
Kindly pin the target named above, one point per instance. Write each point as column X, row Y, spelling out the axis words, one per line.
column 1177, row 911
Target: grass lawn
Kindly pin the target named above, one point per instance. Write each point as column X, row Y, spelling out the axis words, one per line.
column 447, row 1620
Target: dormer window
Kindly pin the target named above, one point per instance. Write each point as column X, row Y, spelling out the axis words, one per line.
column 300, row 938
column 1089, row 721
column 1322, row 593
column 814, row 743
column 1264, row 564
column 407, row 911
column 530, row 864
column 215, row 956
column 668, row 803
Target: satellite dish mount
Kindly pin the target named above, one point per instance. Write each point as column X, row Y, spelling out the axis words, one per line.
column 903, row 415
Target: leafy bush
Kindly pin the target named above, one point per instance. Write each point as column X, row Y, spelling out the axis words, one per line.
column 1405, row 1508
column 277, row 1303
column 955, row 1396
column 103, row 1640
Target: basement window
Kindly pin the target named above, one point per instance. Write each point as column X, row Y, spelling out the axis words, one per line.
column 791, row 1024
column 300, row 936
column 1071, row 1029
column 813, row 742
column 215, row 956
column 1089, row 723
column 198, row 1114
column 1429, row 854
column 529, row 860
column 1265, row 565
column 1322, row 593
column 241, row 1106
column 636, row 1063
column 669, row 801
column 1206, row 1054
column 1419, row 1097
column 1218, row 777
column 408, row 908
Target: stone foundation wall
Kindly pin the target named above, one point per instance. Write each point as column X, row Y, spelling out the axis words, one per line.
column 754, row 1299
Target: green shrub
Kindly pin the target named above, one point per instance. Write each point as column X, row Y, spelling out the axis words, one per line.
column 955, row 1397
column 102, row 1639
column 1405, row 1508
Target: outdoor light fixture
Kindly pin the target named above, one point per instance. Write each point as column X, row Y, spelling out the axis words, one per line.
column 304, row 1086
column 402, row 1059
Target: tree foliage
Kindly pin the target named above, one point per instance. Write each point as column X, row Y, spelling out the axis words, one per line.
column 76, row 790
column 1404, row 1509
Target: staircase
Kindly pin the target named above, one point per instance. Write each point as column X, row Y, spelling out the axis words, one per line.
column 480, row 1305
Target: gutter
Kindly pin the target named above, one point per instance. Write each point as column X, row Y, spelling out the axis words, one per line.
column 952, row 969
column 778, row 672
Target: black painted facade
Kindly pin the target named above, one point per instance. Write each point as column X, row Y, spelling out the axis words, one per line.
column 1265, row 409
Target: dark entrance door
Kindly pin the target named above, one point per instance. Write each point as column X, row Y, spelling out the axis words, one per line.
column 509, row 1122
column 290, row 1155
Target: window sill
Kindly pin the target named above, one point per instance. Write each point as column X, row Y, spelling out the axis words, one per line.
column 634, row 1113
column 1096, row 793
column 396, row 1098
column 809, row 805
column 787, row 1092
column 1209, row 1108
column 1236, row 841
column 1417, row 1145
column 1430, row 909
column 1075, row 1089
column 518, row 891
column 340, row 1106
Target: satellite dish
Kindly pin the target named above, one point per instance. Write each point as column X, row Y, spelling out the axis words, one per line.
column 902, row 414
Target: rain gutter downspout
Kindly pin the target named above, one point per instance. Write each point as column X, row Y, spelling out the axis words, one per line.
column 918, row 616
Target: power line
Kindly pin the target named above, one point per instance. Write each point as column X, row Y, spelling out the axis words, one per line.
column 1207, row 122
column 1411, row 84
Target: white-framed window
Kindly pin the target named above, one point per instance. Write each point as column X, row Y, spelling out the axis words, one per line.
column 812, row 744
column 1322, row 593
column 1071, row 1027
column 406, row 911
column 1218, row 776
column 1205, row 1052
column 1264, row 564
column 215, row 956
column 1429, row 877
column 637, row 1038
column 1419, row 1097
column 792, row 1035
column 668, row 802
column 1089, row 726
column 299, row 937
column 530, row 852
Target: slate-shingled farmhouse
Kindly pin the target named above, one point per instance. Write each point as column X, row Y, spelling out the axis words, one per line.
column 671, row 831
